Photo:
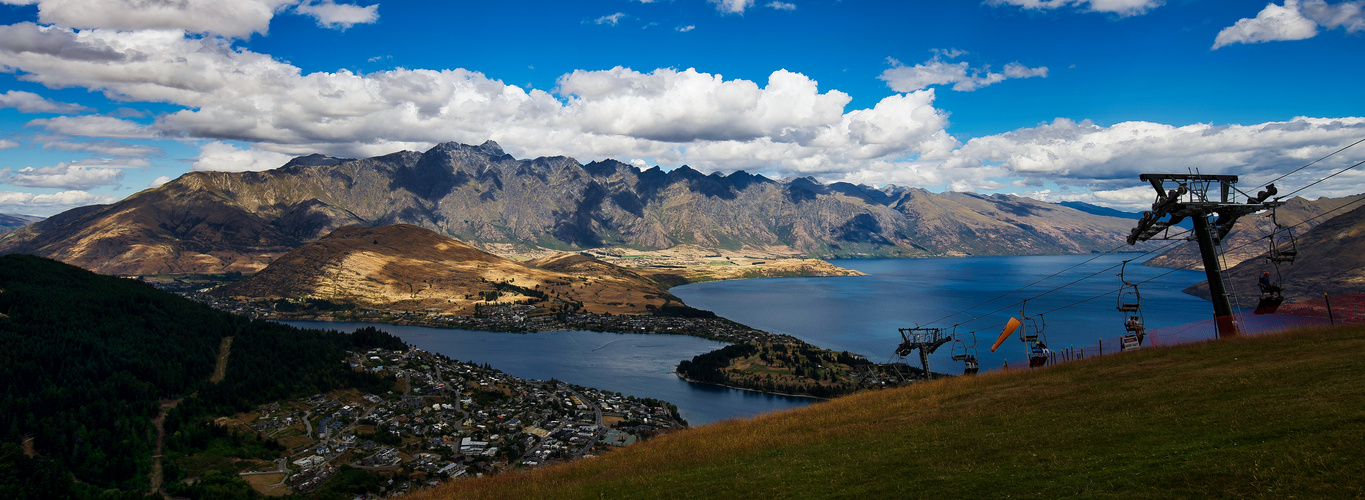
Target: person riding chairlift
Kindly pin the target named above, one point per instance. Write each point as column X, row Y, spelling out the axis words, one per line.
column 1134, row 324
column 1266, row 286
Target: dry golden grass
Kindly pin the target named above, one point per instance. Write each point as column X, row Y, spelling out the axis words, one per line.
column 1270, row 416
column 409, row 268
column 295, row 442
column 265, row 484
column 697, row 264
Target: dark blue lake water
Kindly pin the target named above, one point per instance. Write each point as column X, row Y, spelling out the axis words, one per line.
column 862, row 314
column 856, row 314
column 634, row 364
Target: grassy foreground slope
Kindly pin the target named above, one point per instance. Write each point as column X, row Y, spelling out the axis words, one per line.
column 1274, row 416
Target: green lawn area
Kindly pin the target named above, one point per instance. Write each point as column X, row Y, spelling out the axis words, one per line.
column 1273, row 416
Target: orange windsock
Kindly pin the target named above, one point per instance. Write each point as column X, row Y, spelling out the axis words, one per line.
column 1009, row 328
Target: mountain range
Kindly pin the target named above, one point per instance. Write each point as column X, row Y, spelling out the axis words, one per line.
column 10, row 222
column 210, row 222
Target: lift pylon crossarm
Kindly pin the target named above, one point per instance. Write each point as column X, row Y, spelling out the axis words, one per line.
column 1188, row 195
column 925, row 340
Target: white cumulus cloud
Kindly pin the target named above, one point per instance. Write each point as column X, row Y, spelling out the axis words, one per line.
column 254, row 112
column 225, row 157
column 159, row 181
column 233, row 18
column 1347, row 15
column 732, row 6
column 28, row 102
column 1122, row 8
column 336, row 15
column 99, row 147
column 687, row 116
column 95, row 126
column 679, row 106
column 8, row 144
column 229, row 18
column 781, row 6
column 960, row 75
column 613, row 19
column 15, row 201
column 1293, row 20
column 1083, row 153
column 80, row 175
column 1135, row 199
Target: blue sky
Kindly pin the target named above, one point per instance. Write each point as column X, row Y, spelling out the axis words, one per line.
column 1054, row 99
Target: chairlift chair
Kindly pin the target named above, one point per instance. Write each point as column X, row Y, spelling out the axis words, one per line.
column 1280, row 235
column 1035, row 339
column 1272, row 297
column 1134, row 330
column 959, row 349
column 966, row 354
column 1130, row 305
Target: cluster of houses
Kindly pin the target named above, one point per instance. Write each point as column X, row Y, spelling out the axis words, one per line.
column 446, row 419
column 311, row 477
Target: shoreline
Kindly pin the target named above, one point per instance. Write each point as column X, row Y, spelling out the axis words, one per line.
column 714, row 328
column 805, row 396
column 675, row 366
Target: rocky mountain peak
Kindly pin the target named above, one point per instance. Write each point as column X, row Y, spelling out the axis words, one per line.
column 491, row 148
column 315, row 160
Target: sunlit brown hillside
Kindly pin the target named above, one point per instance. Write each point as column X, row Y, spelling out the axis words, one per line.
column 1330, row 261
column 409, row 268
column 1247, row 239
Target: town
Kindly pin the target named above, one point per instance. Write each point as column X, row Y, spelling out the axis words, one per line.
column 445, row 419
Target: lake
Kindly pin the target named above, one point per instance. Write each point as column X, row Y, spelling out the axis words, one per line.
column 857, row 314
column 629, row 363
column 862, row 314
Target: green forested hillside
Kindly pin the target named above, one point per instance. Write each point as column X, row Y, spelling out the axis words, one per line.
column 85, row 360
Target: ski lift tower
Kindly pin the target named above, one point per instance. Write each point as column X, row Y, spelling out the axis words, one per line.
column 1187, row 195
column 927, row 340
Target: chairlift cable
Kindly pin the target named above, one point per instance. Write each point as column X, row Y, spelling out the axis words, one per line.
column 1314, row 183
column 1358, row 200
column 1238, row 247
column 1022, row 288
column 1164, row 247
column 1110, row 268
column 1291, row 172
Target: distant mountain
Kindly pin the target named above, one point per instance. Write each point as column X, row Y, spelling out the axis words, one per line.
column 1098, row 210
column 1109, row 212
column 1331, row 260
column 1248, row 237
column 219, row 222
column 10, row 222
column 405, row 267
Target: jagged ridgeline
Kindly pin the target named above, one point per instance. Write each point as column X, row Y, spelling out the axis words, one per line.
column 86, row 359
column 214, row 222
